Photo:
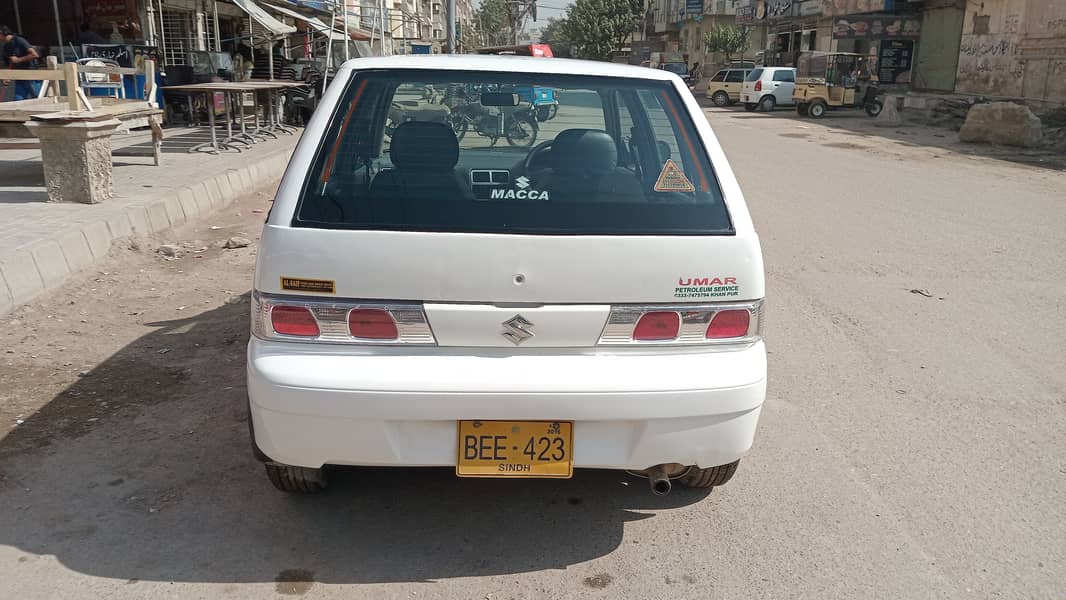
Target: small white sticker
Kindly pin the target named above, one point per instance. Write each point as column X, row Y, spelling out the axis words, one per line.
column 672, row 179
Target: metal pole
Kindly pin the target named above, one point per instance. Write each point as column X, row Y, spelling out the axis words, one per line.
column 347, row 34
column 451, row 26
column 59, row 30
column 329, row 44
column 218, row 35
column 18, row 17
column 163, row 40
column 270, row 58
column 381, row 11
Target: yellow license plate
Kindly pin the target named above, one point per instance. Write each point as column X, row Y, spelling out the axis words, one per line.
column 515, row 449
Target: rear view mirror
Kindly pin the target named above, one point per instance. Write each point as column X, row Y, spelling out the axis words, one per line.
column 499, row 99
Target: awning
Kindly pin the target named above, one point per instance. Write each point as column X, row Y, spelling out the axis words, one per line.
column 260, row 16
column 315, row 24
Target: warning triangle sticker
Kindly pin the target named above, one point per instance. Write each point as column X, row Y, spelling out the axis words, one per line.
column 672, row 179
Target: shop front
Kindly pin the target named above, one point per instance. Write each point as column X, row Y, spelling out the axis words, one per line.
column 793, row 27
column 885, row 31
column 889, row 40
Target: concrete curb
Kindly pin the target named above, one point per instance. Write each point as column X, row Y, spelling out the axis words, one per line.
column 48, row 263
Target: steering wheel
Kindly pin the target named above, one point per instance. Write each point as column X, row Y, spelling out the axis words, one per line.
column 540, row 148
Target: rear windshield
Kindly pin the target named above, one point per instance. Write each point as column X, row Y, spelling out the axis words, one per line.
column 491, row 152
column 754, row 75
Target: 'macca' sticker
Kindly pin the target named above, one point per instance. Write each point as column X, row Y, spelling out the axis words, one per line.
column 672, row 179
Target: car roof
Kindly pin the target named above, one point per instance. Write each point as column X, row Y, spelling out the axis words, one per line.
column 512, row 64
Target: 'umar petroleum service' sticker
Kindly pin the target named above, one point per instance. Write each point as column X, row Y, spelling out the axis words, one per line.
column 299, row 284
column 672, row 179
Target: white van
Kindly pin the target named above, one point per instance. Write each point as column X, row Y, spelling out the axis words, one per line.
column 591, row 301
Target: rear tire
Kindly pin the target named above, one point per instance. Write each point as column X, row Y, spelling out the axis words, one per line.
column 708, row 478
column 296, row 480
column 802, row 109
column 767, row 104
column 873, row 108
column 522, row 133
column 720, row 99
column 817, row 109
column 458, row 125
column 748, row 106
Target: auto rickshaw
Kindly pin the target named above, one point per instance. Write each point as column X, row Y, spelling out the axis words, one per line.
column 827, row 80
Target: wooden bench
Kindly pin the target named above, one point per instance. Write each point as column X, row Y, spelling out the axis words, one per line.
column 52, row 105
column 74, row 131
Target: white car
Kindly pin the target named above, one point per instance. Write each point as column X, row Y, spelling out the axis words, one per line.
column 591, row 301
column 768, row 87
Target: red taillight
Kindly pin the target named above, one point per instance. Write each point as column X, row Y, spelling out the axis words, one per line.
column 758, row 85
column 729, row 324
column 372, row 324
column 294, row 320
column 657, row 326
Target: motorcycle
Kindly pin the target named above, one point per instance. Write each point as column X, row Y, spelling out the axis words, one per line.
column 519, row 125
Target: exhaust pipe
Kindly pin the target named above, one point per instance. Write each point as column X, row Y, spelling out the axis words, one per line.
column 659, row 480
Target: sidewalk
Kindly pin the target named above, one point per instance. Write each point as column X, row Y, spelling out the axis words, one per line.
column 42, row 243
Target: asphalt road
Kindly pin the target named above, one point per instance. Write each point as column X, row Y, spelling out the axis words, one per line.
column 912, row 444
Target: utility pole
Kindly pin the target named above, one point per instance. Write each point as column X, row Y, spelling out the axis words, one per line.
column 451, row 26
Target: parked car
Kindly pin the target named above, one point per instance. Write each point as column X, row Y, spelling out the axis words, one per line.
column 724, row 87
column 594, row 301
column 767, row 87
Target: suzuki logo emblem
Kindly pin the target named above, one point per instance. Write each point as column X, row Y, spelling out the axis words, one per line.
column 522, row 182
column 517, row 329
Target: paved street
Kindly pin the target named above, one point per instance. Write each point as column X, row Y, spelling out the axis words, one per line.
column 912, row 444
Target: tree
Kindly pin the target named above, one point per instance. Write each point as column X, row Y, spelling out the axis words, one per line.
column 596, row 28
column 727, row 39
column 553, row 33
column 493, row 22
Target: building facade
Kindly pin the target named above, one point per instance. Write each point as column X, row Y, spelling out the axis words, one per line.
column 1014, row 49
column 908, row 43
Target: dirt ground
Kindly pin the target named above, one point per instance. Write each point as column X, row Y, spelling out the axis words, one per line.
column 910, row 446
column 63, row 346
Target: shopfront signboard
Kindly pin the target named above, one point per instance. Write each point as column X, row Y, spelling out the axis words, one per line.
column 809, row 8
column 778, row 9
column 835, row 8
column 877, row 27
column 694, row 7
column 746, row 14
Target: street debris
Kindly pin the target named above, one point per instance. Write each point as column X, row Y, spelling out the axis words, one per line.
column 170, row 251
column 215, row 228
column 922, row 293
column 236, row 242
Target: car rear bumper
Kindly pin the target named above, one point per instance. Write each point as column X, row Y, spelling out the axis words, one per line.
column 315, row 405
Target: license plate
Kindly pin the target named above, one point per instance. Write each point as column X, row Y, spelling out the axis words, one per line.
column 515, row 449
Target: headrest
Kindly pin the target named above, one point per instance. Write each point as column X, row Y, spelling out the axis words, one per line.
column 584, row 152
column 421, row 145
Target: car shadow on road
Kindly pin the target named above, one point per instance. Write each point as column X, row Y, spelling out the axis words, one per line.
column 142, row 471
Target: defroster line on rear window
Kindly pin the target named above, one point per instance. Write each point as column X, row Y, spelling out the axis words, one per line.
column 688, row 141
column 340, row 135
